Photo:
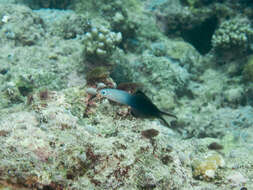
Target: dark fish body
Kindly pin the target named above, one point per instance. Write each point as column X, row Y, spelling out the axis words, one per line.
column 143, row 107
column 141, row 103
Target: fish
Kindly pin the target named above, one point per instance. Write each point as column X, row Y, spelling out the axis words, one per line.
column 141, row 105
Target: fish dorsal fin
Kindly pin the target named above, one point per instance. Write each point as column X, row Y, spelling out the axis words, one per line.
column 141, row 94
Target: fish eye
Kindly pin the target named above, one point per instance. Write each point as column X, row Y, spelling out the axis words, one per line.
column 103, row 92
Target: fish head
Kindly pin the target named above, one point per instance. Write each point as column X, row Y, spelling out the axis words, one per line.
column 104, row 92
column 116, row 95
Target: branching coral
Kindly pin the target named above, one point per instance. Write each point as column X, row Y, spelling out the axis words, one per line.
column 100, row 42
column 233, row 33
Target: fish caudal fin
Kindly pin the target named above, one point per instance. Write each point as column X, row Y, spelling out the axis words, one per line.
column 165, row 122
column 168, row 114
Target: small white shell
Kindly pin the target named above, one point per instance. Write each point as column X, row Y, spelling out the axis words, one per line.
column 5, row 18
column 101, row 85
column 92, row 91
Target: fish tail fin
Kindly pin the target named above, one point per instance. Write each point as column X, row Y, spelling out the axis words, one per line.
column 164, row 121
column 168, row 114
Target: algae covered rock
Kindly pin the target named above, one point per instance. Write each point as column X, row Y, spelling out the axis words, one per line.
column 206, row 169
column 249, row 94
column 105, row 8
column 65, row 24
column 10, row 94
column 35, row 52
column 248, row 70
column 234, row 96
column 52, row 4
column 22, row 28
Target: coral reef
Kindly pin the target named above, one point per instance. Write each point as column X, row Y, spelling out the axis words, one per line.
column 87, row 153
column 197, row 22
column 23, row 47
column 106, row 8
column 127, row 26
column 100, row 42
column 234, row 33
column 56, row 132
column 127, row 17
column 81, row 163
column 194, row 25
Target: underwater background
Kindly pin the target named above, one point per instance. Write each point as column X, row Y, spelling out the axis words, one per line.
column 192, row 58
